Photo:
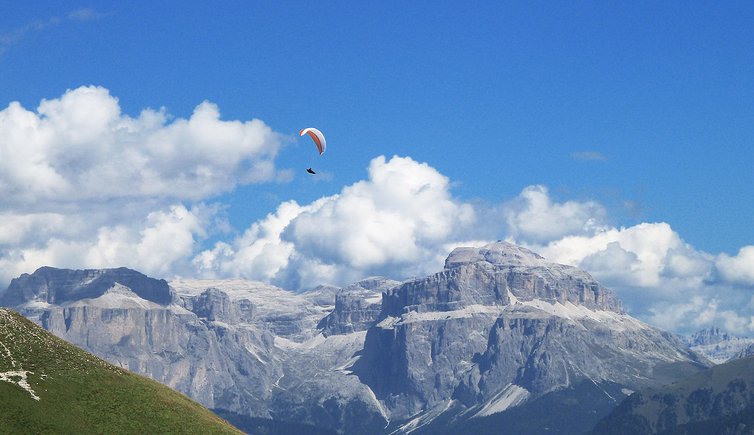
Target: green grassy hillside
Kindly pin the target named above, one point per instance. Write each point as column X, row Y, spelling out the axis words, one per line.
column 50, row 386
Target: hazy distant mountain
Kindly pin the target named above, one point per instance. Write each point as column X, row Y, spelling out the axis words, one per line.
column 719, row 346
column 49, row 386
column 719, row 400
column 499, row 337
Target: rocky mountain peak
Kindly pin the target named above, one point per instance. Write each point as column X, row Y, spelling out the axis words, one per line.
column 501, row 326
column 60, row 286
column 490, row 275
column 709, row 336
column 499, row 253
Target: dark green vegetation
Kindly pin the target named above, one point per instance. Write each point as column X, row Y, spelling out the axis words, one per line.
column 50, row 386
column 719, row 400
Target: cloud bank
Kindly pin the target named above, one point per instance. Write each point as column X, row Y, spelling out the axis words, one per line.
column 403, row 220
column 84, row 185
column 81, row 147
column 394, row 223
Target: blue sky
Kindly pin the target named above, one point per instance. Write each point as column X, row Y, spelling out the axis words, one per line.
column 633, row 114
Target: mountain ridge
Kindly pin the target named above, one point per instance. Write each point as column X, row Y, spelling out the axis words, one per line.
column 498, row 329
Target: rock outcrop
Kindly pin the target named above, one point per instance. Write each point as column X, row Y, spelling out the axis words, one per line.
column 500, row 326
column 357, row 306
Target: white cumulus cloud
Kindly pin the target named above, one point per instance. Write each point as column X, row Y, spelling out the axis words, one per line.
column 641, row 255
column 397, row 223
column 80, row 146
column 738, row 269
column 402, row 221
column 160, row 244
column 85, row 186
column 698, row 312
column 662, row 279
column 534, row 217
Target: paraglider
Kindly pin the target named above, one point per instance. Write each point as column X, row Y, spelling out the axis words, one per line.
column 317, row 137
column 319, row 140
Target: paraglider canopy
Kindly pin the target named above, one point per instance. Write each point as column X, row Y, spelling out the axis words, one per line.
column 317, row 137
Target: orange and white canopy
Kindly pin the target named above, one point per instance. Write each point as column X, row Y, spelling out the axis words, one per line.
column 317, row 137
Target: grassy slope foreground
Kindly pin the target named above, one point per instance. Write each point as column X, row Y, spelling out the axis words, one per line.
column 50, row 386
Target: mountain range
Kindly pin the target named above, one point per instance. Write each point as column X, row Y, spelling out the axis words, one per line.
column 499, row 338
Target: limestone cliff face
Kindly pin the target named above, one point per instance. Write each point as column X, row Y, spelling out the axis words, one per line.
column 236, row 346
column 486, row 275
column 214, row 304
column 357, row 306
column 193, row 352
column 496, row 329
column 500, row 317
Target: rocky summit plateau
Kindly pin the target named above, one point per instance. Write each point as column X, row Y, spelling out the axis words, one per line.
column 499, row 338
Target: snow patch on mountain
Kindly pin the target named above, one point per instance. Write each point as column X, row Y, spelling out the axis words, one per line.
column 567, row 310
column 292, row 317
column 268, row 300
